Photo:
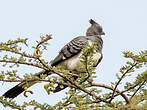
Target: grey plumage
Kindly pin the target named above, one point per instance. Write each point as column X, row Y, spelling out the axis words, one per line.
column 72, row 50
column 69, row 56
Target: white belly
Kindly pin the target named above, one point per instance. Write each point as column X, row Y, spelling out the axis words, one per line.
column 74, row 63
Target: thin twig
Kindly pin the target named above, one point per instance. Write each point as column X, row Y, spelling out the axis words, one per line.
column 65, row 104
column 121, row 80
column 48, row 37
column 18, row 62
column 86, row 67
column 137, row 90
column 110, row 88
column 22, row 54
column 44, row 65
column 80, row 88
column 15, row 42
column 132, row 87
column 10, row 105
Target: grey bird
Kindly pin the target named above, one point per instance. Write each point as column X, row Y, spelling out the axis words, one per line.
column 69, row 57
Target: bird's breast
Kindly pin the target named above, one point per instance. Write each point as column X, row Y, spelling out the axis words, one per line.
column 74, row 63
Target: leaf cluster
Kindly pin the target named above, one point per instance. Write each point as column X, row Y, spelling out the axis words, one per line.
column 83, row 93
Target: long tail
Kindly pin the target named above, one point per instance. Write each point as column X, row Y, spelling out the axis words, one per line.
column 18, row 89
column 14, row 92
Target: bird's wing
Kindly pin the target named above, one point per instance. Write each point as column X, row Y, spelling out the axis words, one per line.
column 70, row 49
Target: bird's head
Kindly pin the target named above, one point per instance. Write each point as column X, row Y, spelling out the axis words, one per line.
column 94, row 29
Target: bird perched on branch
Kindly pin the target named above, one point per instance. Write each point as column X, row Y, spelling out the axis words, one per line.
column 69, row 57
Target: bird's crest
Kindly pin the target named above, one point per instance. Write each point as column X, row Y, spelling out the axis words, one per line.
column 92, row 21
column 94, row 29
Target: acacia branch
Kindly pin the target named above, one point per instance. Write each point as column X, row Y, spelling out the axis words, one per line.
column 137, row 90
column 121, row 80
column 132, row 87
column 48, row 37
column 44, row 65
column 12, row 42
column 65, row 104
column 19, row 53
column 79, row 87
column 86, row 67
column 110, row 88
column 19, row 62
column 4, row 102
column 32, row 80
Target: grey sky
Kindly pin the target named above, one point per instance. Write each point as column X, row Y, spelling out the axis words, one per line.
column 123, row 21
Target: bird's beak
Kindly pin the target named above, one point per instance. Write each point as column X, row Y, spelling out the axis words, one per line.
column 102, row 33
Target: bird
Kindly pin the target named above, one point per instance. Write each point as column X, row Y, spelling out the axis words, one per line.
column 69, row 57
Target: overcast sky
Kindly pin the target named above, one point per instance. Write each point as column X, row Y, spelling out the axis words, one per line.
column 123, row 21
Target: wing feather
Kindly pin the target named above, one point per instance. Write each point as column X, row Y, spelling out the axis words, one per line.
column 70, row 49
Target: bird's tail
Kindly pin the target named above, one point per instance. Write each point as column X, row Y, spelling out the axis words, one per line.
column 18, row 89
column 14, row 92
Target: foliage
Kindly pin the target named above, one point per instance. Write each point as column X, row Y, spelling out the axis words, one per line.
column 84, row 93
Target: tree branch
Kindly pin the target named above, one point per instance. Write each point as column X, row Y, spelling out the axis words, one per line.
column 24, row 63
column 121, row 80
column 137, row 90
column 110, row 88
column 19, row 53
column 80, row 88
